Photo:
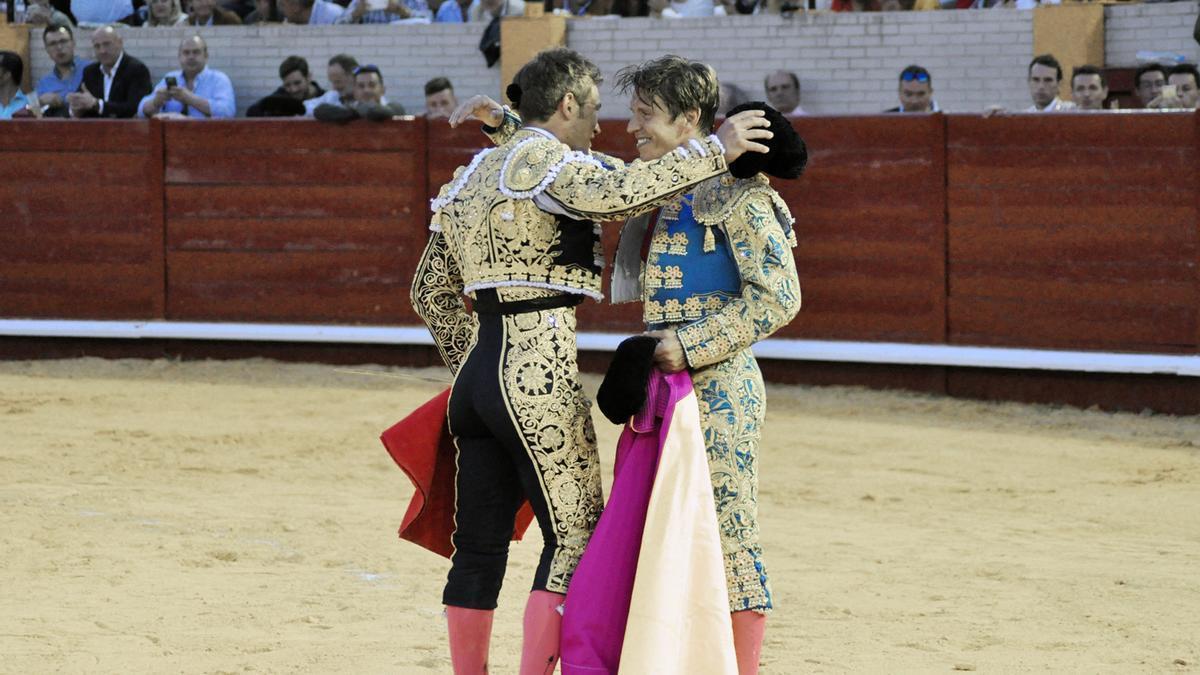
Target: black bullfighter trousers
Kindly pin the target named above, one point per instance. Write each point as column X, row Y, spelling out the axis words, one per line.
column 522, row 428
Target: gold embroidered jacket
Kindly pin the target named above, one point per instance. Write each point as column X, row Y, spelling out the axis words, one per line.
column 758, row 226
column 520, row 216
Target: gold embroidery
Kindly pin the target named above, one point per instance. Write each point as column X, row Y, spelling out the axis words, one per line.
column 672, row 276
column 770, row 294
column 553, row 415
column 669, row 244
column 506, row 239
column 437, row 299
column 732, row 405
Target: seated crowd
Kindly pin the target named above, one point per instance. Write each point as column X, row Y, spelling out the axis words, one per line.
column 248, row 12
column 119, row 85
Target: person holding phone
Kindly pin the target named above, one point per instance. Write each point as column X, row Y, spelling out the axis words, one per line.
column 1180, row 91
column 195, row 90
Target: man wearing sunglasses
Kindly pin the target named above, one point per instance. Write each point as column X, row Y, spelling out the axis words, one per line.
column 916, row 92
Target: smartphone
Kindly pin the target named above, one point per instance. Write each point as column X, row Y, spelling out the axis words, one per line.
column 172, row 82
column 1168, row 91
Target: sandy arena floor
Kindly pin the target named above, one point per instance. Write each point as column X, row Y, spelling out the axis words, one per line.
column 234, row 517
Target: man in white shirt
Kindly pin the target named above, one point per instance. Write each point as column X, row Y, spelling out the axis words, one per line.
column 1088, row 88
column 1045, row 74
column 783, row 92
column 341, row 84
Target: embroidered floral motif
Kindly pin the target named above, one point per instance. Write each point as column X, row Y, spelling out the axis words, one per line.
column 553, row 414
column 732, row 410
column 437, row 299
column 502, row 238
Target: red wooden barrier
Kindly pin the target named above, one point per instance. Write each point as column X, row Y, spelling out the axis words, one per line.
column 293, row 220
column 870, row 217
column 1073, row 231
column 81, row 219
column 1063, row 231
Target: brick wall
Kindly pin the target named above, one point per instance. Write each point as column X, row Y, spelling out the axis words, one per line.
column 1157, row 27
column 847, row 63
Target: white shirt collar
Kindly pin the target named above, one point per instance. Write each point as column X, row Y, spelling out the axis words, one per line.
column 116, row 66
column 543, row 132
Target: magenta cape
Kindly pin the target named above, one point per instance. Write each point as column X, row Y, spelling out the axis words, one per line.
column 649, row 595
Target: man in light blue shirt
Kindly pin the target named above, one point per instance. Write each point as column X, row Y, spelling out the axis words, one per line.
column 12, row 99
column 193, row 91
column 100, row 11
column 67, row 73
column 452, row 11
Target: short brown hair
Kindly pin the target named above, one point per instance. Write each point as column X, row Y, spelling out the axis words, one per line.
column 681, row 85
column 437, row 84
column 546, row 79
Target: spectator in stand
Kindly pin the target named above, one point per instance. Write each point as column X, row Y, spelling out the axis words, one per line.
column 206, row 13
column 359, row 11
column 1089, row 88
column 440, row 100
column 341, row 84
column 195, row 90
column 450, row 11
column 1149, row 81
column 113, row 85
column 736, row 7
column 677, row 9
column 41, row 13
column 783, row 92
column 165, row 13
column 369, row 100
column 483, row 11
column 916, row 92
column 729, row 97
column 101, row 11
column 265, row 11
column 67, row 73
column 582, row 7
column 288, row 100
column 1184, row 77
column 310, row 12
column 13, row 101
column 1044, row 76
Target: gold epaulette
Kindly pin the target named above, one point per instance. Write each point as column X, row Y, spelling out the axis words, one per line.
column 531, row 166
column 717, row 200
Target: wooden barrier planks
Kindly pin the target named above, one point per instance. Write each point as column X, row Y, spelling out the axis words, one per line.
column 81, row 234
column 450, row 148
column 294, row 220
column 870, row 219
column 1073, row 231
